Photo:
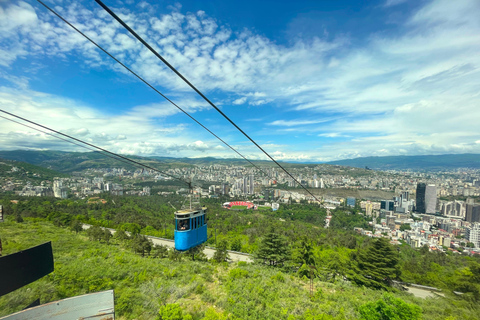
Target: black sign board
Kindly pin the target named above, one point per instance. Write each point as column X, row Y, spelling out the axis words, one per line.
column 24, row 267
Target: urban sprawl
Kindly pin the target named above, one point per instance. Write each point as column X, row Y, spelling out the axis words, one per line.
column 436, row 209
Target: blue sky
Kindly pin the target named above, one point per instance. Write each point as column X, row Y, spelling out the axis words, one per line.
column 308, row 80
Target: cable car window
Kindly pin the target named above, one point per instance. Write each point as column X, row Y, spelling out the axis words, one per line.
column 183, row 225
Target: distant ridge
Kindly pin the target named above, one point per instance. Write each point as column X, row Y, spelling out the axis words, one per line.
column 417, row 163
column 67, row 162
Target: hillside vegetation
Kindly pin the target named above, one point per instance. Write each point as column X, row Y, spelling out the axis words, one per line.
column 184, row 289
column 17, row 170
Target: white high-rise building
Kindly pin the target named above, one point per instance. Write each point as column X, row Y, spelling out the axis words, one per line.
column 430, row 198
column 473, row 234
column 58, row 190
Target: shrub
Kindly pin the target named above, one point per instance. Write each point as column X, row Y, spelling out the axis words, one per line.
column 390, row 308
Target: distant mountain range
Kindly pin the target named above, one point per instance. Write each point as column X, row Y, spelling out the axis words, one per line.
column 68, row 162
column 417, row 163
column 77, row 161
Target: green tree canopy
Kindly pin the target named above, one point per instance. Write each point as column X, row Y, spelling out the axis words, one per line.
column 142, row 244
column 273, row 249
column 221, row 253
column 375, row 266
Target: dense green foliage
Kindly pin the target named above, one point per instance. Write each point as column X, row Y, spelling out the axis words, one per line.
column 26, row 172
column 390, row 308
column 146, row 277
column 375, row 266
column 273, row 249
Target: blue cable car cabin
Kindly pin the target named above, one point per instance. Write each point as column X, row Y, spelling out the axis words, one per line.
column 190, row 228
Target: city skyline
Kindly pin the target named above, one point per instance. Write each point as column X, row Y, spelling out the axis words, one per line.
column 310, row 82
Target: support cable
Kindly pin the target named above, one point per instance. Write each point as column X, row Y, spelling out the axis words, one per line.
column 75, row 143
column 148, row 84
column 196, row 90
column 93, row 146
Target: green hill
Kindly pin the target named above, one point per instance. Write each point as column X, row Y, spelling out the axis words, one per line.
column 26, row 171
column 197, row 289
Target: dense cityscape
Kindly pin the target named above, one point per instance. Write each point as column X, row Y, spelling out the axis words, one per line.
column 437, row 209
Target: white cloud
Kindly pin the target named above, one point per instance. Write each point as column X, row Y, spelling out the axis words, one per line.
column 141, row 131
column 240, row 100
column 415, row 91
column 292, row 123
column 333, row 135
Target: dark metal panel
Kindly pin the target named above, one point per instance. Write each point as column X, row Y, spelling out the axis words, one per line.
column 21, row 268
column 93, row 306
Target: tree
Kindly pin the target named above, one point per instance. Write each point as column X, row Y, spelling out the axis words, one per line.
column 19, row 218
column 375, row 266
column 95, row 233
column 160, row 251
column 236, row 245
column 303, row 253
column 107, row 235
column 142, row 245
column 121, row 235
column 405, row 226
column 273, row 249
column 76, row 226
column 197, row 253
column 221, row 254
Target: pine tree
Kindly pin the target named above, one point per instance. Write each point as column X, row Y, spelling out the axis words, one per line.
column 142, row 245
column 221, row 253
column 376, row 266
column 273, row 249
column 303, row 253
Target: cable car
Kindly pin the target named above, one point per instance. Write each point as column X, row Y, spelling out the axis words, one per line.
column 190, row 228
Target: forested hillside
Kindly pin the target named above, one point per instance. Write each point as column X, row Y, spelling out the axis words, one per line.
column 351, row 277
column 23, row 171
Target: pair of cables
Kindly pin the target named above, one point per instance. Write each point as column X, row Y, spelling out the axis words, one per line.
column 130, row 161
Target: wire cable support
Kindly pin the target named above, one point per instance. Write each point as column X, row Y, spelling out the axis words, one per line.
column 197, row 91
column 72, row 142
column 112, row 154
column 148, row 84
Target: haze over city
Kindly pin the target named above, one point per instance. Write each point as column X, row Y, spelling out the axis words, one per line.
column 309, row 81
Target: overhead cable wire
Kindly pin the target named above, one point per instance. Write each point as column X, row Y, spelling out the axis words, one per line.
column 70, row 141
column 94, row 146
column 197, row 91
column 148, row 84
